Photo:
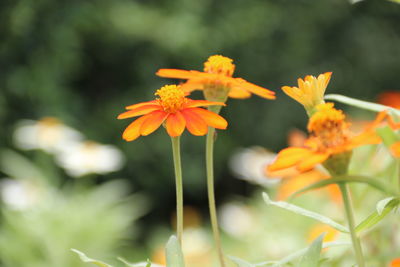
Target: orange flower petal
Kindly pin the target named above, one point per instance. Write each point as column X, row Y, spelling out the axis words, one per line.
column 255, row 89
column 175, row 124
column 289, row 157
column 194, row 123
column 133, row 130
column 192, row 84
column 152, row 102
column 178, row 74
column 395, row 263
column 334, row 193
column 238, row 93
column 202, row 103
column 395, row 149
column 295, row 183
column 154, row 120
column 312, row 160
column 139, row 111
column 210, row 118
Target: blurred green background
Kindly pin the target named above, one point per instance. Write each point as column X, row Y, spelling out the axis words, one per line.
column 84, row 61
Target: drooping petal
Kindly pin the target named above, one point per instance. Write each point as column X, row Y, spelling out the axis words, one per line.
column 255, row 89
column 194, row 123
column 154, row 120
column 289, row 157
column 238, row 93
column 299, row 181
column 176, row 124
column 139, row 111
column 309, row 162
column 192, row 84
column 178, row 74
column 133, row 130
column 202, row 103
column 210, row 118
column 152, row 102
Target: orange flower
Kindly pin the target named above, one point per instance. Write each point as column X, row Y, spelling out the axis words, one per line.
column 311, row 90
column 216, row 80
column 395, row 263
column 390, row 98
column 329, row 136
column 293, row 180
column 395, row 149
column 173, row 108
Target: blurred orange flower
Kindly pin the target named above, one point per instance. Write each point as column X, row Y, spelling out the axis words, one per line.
column 217, row 75
column 395, row 263
column 395, row 149
column 390, row 98
column 329, row 135
column 297, row 181
column 330, row 233
column 310, row 91
column 177, row 111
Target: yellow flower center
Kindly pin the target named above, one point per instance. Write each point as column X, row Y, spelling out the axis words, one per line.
column 328, row 126
column 218, row 64
column 171, row 98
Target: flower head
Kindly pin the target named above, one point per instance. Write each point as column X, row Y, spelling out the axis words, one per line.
column 330, row 139
column 216, row 81
column 310, row 91
column 174, row 110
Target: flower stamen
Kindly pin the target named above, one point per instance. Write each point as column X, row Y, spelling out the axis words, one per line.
column 171, row 98
column 328, row 126
column 218, row 64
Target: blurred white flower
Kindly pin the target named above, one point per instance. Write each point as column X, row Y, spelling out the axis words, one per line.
column 236, row 219
column 90, row 157
column 48, row 134
column 195, row 242
column 18, row 195
column 249, row 164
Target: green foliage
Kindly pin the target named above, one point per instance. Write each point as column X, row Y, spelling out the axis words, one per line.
column 94, row 219
column 85, row 258
column 306, row 213
column 173, row 253
column 312, row 256
column 383, row 208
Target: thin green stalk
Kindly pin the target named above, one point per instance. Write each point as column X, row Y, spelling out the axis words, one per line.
column 178, row 182
column 211, row 194
column 350, row 218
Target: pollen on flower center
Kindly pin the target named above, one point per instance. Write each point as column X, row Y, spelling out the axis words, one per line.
column 218, row 64
column 171, row 97
column 328, row 125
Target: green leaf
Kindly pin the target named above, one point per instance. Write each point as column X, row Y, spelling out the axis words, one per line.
column 311, row 257
column 347, row 179
column 84, row 258
column 304, row 212
column 140, row 264
column 383, row 208
column 362, row 104
column 299, row 253
column 240, row 262
column 174, row 253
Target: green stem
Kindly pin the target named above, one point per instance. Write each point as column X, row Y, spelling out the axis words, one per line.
column 350, row 218
column 211, row 195
column 178, row 182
